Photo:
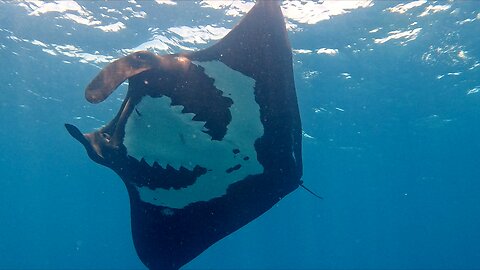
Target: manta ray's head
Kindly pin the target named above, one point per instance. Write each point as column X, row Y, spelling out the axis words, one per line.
column 185, row 86
column 189, row 124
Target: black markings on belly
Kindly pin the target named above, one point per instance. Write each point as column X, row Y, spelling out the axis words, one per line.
column 136, row 110
column 157, row 176
column 234, row 168
column 236, row 151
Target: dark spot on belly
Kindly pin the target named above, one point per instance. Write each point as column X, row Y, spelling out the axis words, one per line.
column 236, row 151
column 234, row 168
column 246, row 158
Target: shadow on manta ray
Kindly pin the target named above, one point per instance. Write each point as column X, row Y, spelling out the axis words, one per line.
column 204, row 141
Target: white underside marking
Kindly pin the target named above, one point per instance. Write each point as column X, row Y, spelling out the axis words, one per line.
column 163, row 134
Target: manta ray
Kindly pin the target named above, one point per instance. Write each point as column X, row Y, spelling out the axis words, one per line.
column 204, row 141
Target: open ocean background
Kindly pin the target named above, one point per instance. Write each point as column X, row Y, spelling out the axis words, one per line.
column 389, row 94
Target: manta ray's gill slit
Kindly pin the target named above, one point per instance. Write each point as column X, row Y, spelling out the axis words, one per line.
column 138, row 113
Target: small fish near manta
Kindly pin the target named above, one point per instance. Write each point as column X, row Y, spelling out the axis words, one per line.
column 204, row 141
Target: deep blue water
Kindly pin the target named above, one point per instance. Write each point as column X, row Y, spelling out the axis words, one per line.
column 390, row 103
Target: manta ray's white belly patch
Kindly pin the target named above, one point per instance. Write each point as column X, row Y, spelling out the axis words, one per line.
column 162, row 134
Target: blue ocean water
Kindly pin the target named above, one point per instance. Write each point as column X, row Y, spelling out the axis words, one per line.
column 389, row 94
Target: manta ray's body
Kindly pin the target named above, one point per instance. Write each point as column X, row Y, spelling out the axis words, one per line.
column 205, row 142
